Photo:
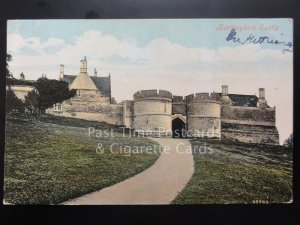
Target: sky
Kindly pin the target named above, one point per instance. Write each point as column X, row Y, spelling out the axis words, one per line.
column 183, row 56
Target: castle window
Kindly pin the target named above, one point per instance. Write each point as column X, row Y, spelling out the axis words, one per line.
column 57, row 107
column 78, row 92
column 165, row 107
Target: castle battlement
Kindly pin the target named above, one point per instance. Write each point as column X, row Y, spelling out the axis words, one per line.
column 178, row 99
column 148, row 94
column 202, row 97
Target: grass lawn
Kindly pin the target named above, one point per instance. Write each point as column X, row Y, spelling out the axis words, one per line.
column 52, row 159
column 239, row 173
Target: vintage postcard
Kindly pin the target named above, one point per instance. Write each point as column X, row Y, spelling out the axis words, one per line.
column 149, row 112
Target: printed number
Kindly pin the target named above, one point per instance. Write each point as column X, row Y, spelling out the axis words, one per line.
column 260, row 201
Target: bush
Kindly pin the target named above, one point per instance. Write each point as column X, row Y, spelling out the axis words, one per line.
column 289, row 142
column 31, row 102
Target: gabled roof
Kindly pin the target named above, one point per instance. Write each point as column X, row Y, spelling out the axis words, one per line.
column 83, row 81
column 102, row 83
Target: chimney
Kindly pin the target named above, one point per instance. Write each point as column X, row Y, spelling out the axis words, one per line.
column 95, row 72
column 22, row 76
column 83, row 65
column 224, row 90
column 261, row 93
column 61, row 71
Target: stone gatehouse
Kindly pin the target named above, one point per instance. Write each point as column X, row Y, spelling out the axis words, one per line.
column 221, row 115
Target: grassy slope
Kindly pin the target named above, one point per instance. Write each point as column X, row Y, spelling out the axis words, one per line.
column 239, row 173
column 50, row 160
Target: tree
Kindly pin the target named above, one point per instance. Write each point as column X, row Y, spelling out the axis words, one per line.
column 8, row 59
column 13, row 103
column 51, row 92
column 289, row 141
column 31, row 102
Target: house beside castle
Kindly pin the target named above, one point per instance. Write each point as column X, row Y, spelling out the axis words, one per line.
column 21, row 87
column 221, row 115
column 93, row 99
column 84, row 81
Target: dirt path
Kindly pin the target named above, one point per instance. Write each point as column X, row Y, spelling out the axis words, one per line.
column 159, row 184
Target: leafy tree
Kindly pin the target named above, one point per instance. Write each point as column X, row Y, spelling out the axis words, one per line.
column 31, row 102
column 14, row 81
column 289, row 141
column 8, row 59
column 13, row 103
column 51, row 92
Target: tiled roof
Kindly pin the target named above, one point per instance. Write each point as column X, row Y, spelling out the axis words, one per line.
column 102, row 83
column 243, row 100
column 69, row 78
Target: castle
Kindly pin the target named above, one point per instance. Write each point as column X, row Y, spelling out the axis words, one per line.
column 245, row 118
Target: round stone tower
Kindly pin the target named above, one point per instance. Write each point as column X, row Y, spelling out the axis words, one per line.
column 153, row 112
column 203, row 115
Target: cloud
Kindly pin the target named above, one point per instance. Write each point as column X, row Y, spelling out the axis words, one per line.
column 53, row 42
column 97, row 45
column 15, row 43
column 162, row 51
column 158, row 56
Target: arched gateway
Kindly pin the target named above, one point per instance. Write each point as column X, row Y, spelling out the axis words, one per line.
column 178, row 126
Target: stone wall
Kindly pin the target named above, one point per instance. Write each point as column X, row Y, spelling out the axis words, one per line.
column 111, row 114
column 249, row 124
column 178, row 105
column 250, row 133
column 153, row 112
column 90, row 105
column 140, row 95
column 203, row 115
column 128, row 114
column 90, row 96
column 112, row 118
column 249, row 114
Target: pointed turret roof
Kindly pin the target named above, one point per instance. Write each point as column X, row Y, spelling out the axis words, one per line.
column 83, row 81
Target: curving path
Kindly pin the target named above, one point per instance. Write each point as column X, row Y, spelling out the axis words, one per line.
column 159, row 184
